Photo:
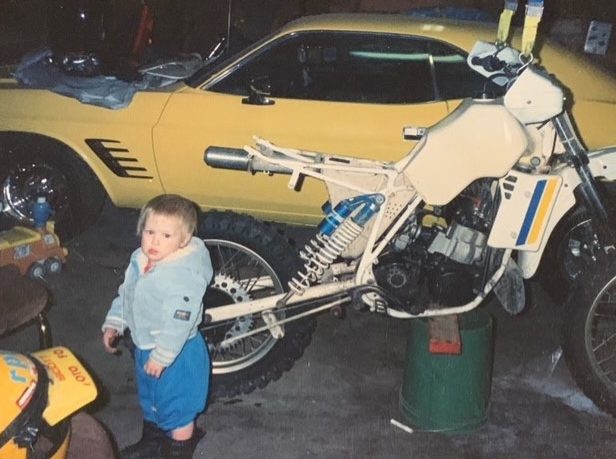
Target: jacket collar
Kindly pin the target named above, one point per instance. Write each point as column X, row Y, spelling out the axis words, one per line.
column 183, row 252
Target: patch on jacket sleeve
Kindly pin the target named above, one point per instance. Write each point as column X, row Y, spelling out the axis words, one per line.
column 181, row 315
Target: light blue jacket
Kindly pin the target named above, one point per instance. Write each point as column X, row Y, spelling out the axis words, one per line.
column 163, row 307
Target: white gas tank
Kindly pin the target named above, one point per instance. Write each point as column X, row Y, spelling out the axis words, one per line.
column 480, row 138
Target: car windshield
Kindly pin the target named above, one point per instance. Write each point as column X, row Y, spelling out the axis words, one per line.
column 211, row 67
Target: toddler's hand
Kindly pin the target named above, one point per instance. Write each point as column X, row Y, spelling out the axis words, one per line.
column 110, row 340
column 153, row 368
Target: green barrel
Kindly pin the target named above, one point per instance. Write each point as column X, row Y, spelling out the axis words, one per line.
column 448, row 393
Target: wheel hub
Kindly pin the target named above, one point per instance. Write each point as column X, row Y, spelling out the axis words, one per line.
column 28, row 181
column 582, row 248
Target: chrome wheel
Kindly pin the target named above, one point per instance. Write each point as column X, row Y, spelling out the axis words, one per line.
column 240, row 274
column 28, row 180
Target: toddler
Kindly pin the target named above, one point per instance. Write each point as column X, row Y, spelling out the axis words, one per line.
column 160, row 302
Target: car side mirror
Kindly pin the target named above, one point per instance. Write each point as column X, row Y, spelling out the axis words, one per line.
column 259, row 91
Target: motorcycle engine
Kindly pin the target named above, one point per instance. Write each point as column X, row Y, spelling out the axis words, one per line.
column 400, row 276
column 440, row 256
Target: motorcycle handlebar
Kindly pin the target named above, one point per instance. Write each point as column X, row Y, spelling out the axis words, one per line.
column 489, row 63
column 239, row 160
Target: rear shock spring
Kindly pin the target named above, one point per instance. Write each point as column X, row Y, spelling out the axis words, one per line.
column 320, row 252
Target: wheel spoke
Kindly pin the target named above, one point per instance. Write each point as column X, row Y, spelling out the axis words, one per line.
column 251, row 284
column 604, row 342
column 607, row 359
column 242, row 268
column 603, row 335
column 608, row 315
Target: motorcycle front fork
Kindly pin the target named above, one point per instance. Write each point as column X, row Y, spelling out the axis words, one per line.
column 588, row 190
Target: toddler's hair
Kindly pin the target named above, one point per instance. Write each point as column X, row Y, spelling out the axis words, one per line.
column 171, row 205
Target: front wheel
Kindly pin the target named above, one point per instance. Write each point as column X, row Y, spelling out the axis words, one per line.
column 251, row 260
column 589, row 333
column 573, row 246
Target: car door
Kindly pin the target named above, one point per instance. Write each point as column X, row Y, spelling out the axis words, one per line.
column 336, row 92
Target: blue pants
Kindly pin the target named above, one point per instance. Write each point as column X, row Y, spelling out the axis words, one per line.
column 176, row 398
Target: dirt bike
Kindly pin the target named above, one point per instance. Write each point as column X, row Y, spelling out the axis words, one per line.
column 469, row 211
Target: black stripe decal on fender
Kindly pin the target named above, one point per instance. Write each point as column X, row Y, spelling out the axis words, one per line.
column 116, row 157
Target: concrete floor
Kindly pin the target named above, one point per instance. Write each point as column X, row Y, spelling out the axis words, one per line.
column 338, row 400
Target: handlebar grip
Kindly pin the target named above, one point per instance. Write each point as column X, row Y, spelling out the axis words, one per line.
column 239, row 160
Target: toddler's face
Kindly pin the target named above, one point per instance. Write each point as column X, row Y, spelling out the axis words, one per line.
column 162, row 235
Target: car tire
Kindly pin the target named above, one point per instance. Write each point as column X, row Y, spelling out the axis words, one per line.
column 38, row 166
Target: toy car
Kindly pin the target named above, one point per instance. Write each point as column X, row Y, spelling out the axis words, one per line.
column 35, row 252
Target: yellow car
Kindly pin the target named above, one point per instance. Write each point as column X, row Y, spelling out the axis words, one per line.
column 344, row 84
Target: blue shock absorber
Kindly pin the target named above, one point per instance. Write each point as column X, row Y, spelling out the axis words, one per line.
column 369, row 204
column 340, row 227
column 334, row 217
column 372, row 204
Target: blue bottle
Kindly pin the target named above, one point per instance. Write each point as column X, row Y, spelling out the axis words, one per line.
column 41, row 211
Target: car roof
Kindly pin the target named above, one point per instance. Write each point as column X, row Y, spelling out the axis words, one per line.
column 589, row 83
column 461, row 33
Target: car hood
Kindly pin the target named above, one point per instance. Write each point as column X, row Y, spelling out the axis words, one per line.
column 578, row 74
column 21, row 108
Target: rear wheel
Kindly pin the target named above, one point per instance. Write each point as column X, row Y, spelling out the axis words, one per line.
column 589, row 333
column 37, row 167
column 251, row 260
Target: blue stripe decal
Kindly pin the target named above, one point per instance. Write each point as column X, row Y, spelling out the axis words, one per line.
column 530, row 213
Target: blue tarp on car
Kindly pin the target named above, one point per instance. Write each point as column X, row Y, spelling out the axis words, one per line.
column 37, row 71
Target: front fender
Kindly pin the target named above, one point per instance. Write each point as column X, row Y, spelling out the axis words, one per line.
column 603, row 163
column 528, row 261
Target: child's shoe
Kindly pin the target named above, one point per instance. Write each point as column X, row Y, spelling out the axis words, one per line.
column 182, row 449
column 150, row 446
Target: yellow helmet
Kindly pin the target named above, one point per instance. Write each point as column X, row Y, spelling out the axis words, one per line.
column 37, row 395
